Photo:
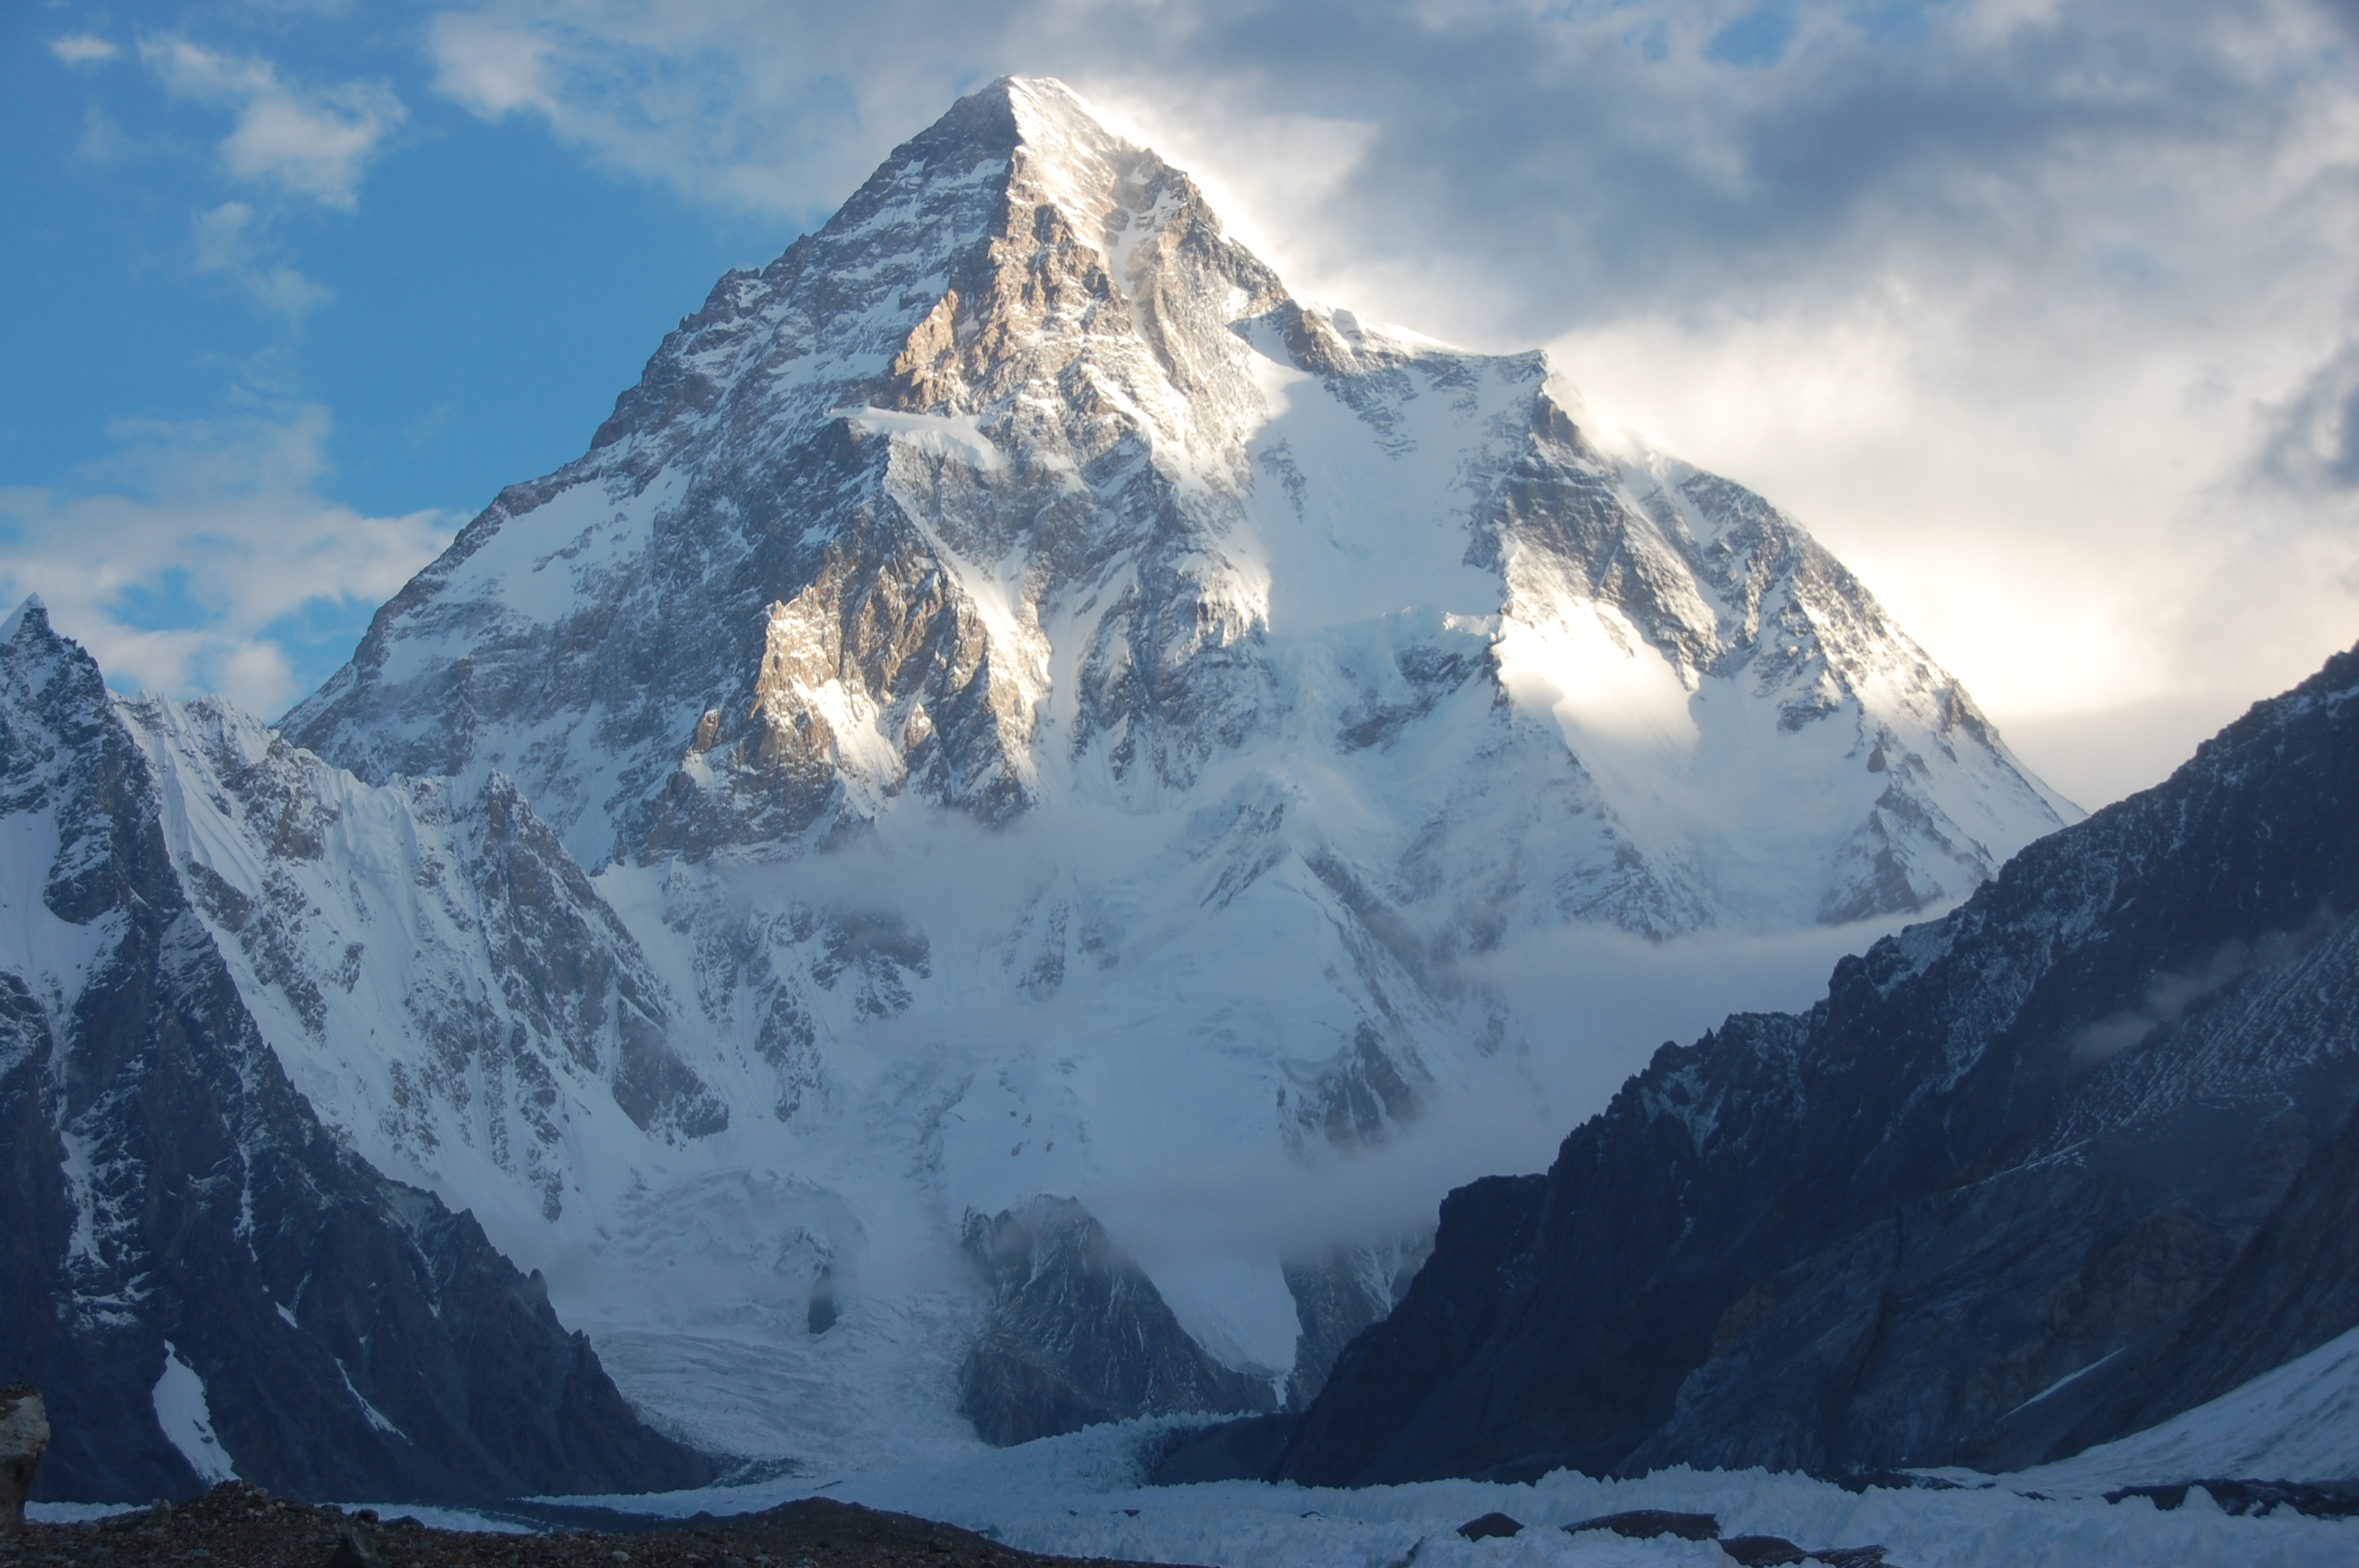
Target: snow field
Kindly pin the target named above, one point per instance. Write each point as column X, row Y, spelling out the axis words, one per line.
column 1080, row 1496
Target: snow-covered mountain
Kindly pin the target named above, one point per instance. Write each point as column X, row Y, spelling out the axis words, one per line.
column 1015, row 704
column 198, row 1274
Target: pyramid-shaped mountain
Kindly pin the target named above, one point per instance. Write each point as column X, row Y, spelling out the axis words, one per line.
column 1016, row 706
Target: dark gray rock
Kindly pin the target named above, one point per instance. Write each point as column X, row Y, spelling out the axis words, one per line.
column 1492, row 1525
column 356, row 1547
column 2097, row 1121
column 1644, row 1524
column 2294, row 1287
column 1240, row 1450
column 1077, row 1333
column 163, row 1184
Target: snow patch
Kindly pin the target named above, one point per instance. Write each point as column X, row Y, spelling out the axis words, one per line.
column 1620, row 704
column 957, row 436
column 188, row 1423
column 374, row 1417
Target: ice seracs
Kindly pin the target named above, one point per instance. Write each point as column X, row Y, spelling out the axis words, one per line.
column 1020, row 703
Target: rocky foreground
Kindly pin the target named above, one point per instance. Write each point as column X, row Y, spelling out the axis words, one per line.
column 246, row 1526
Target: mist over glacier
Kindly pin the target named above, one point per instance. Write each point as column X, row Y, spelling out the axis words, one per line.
column 1593, row 1003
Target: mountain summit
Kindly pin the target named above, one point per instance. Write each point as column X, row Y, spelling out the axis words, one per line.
column 1013, row 707
column 1017, row 484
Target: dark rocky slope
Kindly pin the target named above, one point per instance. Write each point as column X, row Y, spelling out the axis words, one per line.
column 166, row 1194
column 1077, row 1333
column 246, row 1526
column 2096, row 1121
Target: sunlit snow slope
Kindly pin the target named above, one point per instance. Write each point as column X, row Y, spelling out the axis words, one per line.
column 1013, row 702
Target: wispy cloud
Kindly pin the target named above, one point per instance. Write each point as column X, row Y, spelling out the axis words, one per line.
column 2312, row 445
column 310, row 142
column 191, row 559
column 84, row 49
column 229, row 244
column 103, row 142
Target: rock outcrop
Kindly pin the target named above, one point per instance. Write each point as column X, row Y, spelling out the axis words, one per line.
column 23, row 1438
column 1077, row 1333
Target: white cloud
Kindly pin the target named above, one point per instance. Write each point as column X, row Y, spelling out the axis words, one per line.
column 84, row 49
column 102, row 142
column 750, row 106
column 182, row 560
column 228, row 245
column 314, row 142
column 492, row 70
column 1607, row 999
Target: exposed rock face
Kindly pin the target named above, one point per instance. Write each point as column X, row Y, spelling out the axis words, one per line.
column 2076, row 1157
column 1335, row 1298
column 1077, row 1333
column 2293, row 1288
column 197, row 1273
column 1030, row 705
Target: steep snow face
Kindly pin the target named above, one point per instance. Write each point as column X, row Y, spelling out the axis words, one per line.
column 440, row 979
column 425, row 957
column 1049, row 712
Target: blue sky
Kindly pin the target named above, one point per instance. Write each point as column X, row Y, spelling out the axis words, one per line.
column 389, row 331
column 2040, row 313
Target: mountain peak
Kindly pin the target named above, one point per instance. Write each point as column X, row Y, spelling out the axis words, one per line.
column 1037, row 111
column 1299, row 659
column 1046, row 109
column 34, row 610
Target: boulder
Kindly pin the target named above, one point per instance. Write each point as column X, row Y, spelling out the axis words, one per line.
column 1644, row 1524
column 1763, row 1551
column 23, row 1438
column 1490, row 1525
